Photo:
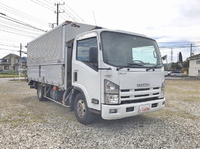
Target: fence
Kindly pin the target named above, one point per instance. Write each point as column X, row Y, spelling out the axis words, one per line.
column 12, row 74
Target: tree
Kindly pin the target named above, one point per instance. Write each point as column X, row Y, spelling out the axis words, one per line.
column 175, row 66
column 185, row 64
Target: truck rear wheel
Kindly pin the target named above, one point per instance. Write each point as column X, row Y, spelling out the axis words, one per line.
column 83, row 115
column 40, row 93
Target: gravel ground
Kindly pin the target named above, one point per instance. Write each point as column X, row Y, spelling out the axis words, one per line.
column 26, row 122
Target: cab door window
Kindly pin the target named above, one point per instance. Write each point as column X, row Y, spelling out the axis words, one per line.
column 83, row 51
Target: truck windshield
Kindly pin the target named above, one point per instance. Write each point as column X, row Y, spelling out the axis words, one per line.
column 124, row 50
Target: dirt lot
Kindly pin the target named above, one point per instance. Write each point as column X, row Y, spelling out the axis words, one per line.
column 26, row 122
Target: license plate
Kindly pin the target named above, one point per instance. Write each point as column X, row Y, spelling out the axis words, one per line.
column 144, row 108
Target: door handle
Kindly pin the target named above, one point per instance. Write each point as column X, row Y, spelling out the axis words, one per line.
column 75, row 76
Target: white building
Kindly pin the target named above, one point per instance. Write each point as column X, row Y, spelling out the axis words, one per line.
column 194, row 65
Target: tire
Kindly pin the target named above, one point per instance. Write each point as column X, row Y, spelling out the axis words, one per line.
column 83, row 115
column 40, row 93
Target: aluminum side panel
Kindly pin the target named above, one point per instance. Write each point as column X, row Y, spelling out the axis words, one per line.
column 46, row 49
column 50, row 74
column 33, row 73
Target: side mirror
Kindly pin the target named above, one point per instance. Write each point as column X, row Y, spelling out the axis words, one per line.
column 164, row 57
column 93, row 55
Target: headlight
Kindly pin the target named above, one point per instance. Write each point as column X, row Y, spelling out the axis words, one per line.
column 111, row 87
column 162, row 89
column 111, row 99
column 111, row 92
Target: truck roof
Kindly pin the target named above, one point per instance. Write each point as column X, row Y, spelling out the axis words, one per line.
column 90, row 27
column 122, row 31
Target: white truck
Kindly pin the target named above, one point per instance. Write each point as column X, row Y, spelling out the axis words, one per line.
column 93, row 70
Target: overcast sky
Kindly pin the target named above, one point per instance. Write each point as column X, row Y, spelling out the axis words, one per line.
column 163, row 20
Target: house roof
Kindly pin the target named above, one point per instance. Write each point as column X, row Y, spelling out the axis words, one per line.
column 11, row 55
column 194, row 57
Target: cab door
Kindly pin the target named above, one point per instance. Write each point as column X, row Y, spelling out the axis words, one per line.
column 85, row 66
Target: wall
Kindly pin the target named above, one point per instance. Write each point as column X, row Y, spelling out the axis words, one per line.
column 194, row 68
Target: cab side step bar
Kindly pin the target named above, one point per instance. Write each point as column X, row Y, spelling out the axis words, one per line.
column 68, row 106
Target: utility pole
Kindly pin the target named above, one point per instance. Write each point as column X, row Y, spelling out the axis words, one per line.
column 20, row 51
column 171, row 55
column 20, row 61
column 190, row 50
column 57, row 12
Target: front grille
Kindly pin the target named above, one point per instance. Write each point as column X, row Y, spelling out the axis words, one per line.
column 155, row 93
column 125, row 96
column 142, row 89
column 139, row 94
column 142, row 95
column 139, row 100
column 125, row 90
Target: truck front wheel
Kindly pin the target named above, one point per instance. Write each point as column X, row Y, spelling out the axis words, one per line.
column 40, row 93
column 83, row 115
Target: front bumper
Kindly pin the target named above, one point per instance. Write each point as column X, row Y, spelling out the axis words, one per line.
column 122, row 111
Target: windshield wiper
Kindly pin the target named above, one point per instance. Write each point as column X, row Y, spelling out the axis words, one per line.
column 123, row 67
column 135, row 64
column 129, row 65
column 155, row 66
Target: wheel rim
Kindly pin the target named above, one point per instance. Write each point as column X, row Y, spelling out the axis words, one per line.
column 81, row 108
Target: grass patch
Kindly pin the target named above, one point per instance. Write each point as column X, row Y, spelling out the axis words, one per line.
column 178, row 112
column 11, row 121
column 183, row 90
column 10, row 76
column 17, row 81
column 185, row 114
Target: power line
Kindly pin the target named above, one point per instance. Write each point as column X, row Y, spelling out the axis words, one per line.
column 75, row 13
column 46, row 5
column 11, row 38
column 43, row 5
column 20, row 22
column 15, row 29
column 62, row 17
column 18, row 26
column 70, row 15
column 8, row 49
column 50, row 3
column 17, row 33
column 9, row 45
column 23, row 15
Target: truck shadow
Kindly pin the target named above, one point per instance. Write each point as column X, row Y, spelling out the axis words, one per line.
column 137, row 122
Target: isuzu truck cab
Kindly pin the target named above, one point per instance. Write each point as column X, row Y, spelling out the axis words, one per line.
column 92, row 70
